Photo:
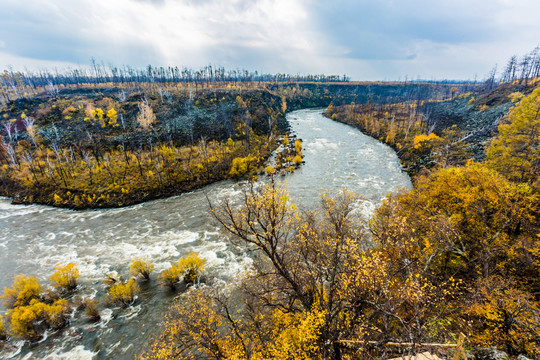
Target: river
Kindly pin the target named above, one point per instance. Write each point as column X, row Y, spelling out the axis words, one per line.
column 34, row 238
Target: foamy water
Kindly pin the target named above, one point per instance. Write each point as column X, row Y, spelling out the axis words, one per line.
column 35, row 238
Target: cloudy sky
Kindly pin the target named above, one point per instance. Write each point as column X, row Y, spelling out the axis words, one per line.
column 365, row 39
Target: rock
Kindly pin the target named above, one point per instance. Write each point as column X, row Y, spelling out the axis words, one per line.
column 489, row 353
column 522, row 357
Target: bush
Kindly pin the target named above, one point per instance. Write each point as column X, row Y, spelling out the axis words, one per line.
column 65, row 277
column 141, row 268
column 298, row 146
column 91, row 309
column 170, row 277
column 24, row 289
column 26, row 322
column 123, row 293
column 113, row 279
column 189, row 267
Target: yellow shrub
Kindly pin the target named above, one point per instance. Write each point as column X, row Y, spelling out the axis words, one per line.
column 25, row 319
column 55, row 314
column 57, row 199
column 269, row 170
column 113, row 279
column 243, row 165
column 297, row 160
column 191, row 266
column 422, row 140
column 298, row 146
column 24, row 289
column 170, row 277
column 65, row 277
column 91, row 309
column 124, row 294
column 141, row 268
column 516, row 96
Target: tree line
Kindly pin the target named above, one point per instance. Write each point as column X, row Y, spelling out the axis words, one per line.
column 17, row 84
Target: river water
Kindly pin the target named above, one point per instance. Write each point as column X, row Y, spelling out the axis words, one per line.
column 35, row 238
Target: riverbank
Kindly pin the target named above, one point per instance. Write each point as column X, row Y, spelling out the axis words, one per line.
column 431, row 134
column 103, row 241
column 106, row 149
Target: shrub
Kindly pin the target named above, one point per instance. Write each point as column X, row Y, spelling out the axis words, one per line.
column 24, row 289
column 91, row 309
column 298, row 146
column 243, row 165
column 55, row 314
column 27, row 321
column 191, row 266
column 65, row 277
column 269, row 170
column 123, row 293
column 170, row 277
column 113, row 279
column 141, row 268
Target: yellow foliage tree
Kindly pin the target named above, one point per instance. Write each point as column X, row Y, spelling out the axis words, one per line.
column 112, row 115
column 515, row 152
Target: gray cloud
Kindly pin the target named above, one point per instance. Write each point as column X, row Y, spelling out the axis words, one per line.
column 366, row 39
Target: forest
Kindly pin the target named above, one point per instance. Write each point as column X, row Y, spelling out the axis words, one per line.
column 111, row 138
column 455, row 259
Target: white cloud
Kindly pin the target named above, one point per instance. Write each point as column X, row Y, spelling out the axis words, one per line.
column 363, row 38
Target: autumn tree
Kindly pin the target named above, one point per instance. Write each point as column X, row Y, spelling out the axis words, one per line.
column 459, row 232
column 515, row 152
column 146, row 116
column 289, row 303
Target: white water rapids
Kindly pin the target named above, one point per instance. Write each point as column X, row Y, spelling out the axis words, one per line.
column 35, row 238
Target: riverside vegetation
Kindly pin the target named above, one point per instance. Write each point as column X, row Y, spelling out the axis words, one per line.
column 114, row 150
column 458, row 253
column 105, row 140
